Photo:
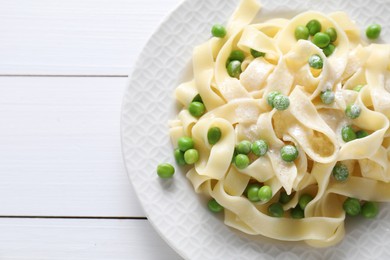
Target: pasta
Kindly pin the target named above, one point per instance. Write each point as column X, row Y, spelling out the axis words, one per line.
column 324, row 111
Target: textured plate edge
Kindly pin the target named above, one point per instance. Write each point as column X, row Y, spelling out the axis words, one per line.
column 122, row 118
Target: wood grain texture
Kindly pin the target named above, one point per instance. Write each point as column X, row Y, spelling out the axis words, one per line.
column 67, row 239
column 60, row 152
column 87, row 37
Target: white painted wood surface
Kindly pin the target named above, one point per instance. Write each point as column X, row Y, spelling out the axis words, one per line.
column 81, row 239
column 60, row 155
column 60, row 149
column 83, row 37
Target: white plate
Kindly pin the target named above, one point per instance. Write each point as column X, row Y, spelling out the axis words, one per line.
column 172, row 207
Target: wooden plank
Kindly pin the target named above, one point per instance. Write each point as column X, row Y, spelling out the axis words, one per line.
column 69, row 239
column 76, row 37
column 60, row 151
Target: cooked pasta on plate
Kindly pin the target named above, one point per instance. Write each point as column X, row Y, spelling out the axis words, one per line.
column 285, row 124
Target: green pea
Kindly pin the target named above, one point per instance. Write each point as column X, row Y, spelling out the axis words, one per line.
column 321, row 39
column 297, row 213
column 191, row 156
column 373, row 31
column 213, row 135
column 218, row 31
column 257, row 54
column 234, row 68
column 358, row 88
column 184, row 143
column 281, row 102
column 259, row 147
column 165, row 170
column 253, row 192
column 348, row 134
column 271, row 96
column 241, row 161
column 340, row 172
column 289, row 153
column 235, row 153
column 304, row 200
column 249, row 186
column 244, row 147
column 276, row 210
column 327, row 97
column 197, row 98
column 301, row 32
column 370, row 209
column 314, row 27
column 237, row 55
column 353, row 111
column 214, row 206
column 361, row 134
column 179, row 157
column 332, row 34
column 284, row 197
column 265, row 193
column 352, row 206
column 328, row 50
column 316, row 62
column 196, row 109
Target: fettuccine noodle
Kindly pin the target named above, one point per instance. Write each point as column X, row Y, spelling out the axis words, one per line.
column 238, row 106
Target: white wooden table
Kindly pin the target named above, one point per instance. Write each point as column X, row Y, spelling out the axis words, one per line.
column 64, row 192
